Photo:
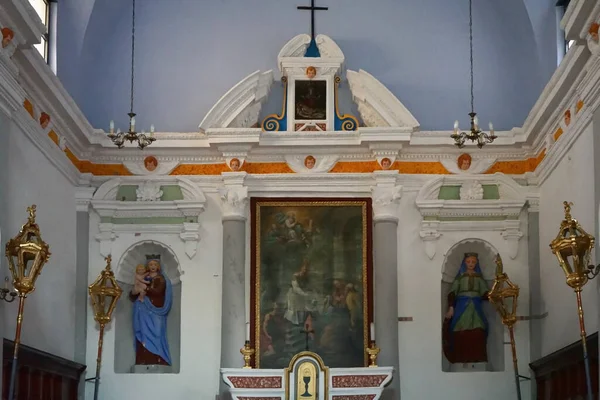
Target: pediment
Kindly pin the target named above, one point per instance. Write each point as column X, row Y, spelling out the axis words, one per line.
column 241, row 105
column 377, row 105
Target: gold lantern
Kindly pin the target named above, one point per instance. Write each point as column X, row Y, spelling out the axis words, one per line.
column 504, row 295
column 27, row 254
column 573, row 247
column 104, row 293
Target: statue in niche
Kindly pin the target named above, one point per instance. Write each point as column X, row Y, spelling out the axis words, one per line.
column 150, row 314
column 465, row 327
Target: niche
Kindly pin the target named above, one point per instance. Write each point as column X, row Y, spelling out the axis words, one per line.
column 495, row 337
column 125, row 351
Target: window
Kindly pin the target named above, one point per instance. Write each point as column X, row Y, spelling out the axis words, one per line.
column 563, row 45
column 42, row 8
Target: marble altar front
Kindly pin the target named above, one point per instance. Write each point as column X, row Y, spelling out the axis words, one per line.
column 307, row 378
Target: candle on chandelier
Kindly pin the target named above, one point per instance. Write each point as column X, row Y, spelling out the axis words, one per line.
column 132, row 123
column 491, row 127
column 476, row 122
column 112, row 126
column 456, row 126
column 151, row 129
column 6, row 283
column 372, row 331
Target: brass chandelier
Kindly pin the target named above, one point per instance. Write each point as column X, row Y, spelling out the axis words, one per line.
column 119, row 138
column 474, row 134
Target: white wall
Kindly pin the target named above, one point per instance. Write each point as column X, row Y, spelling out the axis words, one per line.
column 199, row 374
column 29, row 178
column 572, row 180
column 419, row 294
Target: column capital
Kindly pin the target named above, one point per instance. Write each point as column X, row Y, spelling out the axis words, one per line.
column 386, row 195
column 234, row 196
column 83, row 197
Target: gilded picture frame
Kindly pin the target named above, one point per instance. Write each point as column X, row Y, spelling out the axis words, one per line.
column 311, row 280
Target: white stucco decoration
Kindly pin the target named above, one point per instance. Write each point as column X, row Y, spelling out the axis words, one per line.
column 240, row 106
column 104, row 203
column 136, row 254
column 138, row 167
column 471, row 191
column 378, row 107
column 149, row 191
column 501, row 215
column 296, row 48
column 478, row 165
column 322, row 163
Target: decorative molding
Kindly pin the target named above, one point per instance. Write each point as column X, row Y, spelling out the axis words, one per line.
column 386, row 196
column 296, row 48
column 234, row 196
column 83, row 197
column 471, row 215
column 149, row 191
column 478, row 165
column 376, row 104
column 137, row 167
column 323, row 163
column 240, row 106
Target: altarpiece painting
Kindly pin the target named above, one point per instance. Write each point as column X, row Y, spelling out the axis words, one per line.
column 311, row 280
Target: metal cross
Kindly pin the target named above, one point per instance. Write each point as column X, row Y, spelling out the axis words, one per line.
column 312, row 9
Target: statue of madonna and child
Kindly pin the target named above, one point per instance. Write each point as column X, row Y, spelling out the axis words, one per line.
column 152, row 297
column 465, row 328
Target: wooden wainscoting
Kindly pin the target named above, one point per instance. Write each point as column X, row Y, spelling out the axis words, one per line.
column 40, row 376
column 561, row 375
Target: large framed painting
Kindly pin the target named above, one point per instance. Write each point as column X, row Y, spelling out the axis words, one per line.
column 311, row 280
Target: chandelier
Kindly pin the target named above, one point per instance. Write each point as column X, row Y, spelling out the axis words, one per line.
column 119, row 138
column 475, row 134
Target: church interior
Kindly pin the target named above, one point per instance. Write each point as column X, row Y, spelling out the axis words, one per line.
column 318, row 200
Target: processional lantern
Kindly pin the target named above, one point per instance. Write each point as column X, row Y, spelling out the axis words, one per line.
column 104, row 293
column 573, row 248
column 27, row 254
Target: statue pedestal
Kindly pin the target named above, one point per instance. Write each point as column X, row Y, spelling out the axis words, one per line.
column 307, row 378
column 151, row 369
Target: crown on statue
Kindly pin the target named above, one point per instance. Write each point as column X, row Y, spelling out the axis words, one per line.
column 150, row 257
column 467, row 255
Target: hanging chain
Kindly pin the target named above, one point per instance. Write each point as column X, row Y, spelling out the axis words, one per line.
column 471, row 49
column 132, row 52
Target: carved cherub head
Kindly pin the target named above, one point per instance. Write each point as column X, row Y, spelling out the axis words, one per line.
column 235, row 164
column 7, row 36
column 464, row 161
column 386, row 163
column 311, row 72
column 593, row 31
column 44, row 120
column 150, row 163
column 567, row 117
column 309, row 162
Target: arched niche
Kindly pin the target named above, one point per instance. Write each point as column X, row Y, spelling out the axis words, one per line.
column 124, row 338
column 450, row 267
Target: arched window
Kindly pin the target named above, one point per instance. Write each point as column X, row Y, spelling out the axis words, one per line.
column 563, row 44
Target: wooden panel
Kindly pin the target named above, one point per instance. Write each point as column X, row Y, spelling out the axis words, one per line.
column 40, row 375
column 561, row 375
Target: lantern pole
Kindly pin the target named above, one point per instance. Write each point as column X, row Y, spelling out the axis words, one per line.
column 13, row 372
column 586, row 359
column 26, row 253
column 104, row 287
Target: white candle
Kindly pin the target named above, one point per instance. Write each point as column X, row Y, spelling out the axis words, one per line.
column 491, row 126
column 151, row 128
column 112, row 126
column 372, row 331
column 476, row 121
column 456, row 125
column 248, row 331
column 6, row 283
column 132, row 123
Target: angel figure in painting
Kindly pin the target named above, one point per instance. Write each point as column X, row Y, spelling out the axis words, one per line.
column 465, row 326
column 150, row 316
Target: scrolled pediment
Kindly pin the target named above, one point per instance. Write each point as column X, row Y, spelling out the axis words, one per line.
column 378, row 107
column 241, row 105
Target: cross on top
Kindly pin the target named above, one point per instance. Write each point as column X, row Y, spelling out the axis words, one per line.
column 312, row 10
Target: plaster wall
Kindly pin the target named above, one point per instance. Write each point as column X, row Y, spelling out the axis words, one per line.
column 571, row 180
column 29, row 178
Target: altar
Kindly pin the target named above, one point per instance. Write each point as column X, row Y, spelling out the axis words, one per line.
column 307, row 378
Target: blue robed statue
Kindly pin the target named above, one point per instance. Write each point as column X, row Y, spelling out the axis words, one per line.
column 152, row 297
column 465, row 326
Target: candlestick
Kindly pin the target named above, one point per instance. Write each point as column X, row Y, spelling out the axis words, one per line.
column 372, row 331
column 247, row 353
column 373, row 351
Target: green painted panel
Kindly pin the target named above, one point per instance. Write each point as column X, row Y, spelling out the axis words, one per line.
column 491, row 192
column 449, row 193
column 171, row 192
column 127, row 193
